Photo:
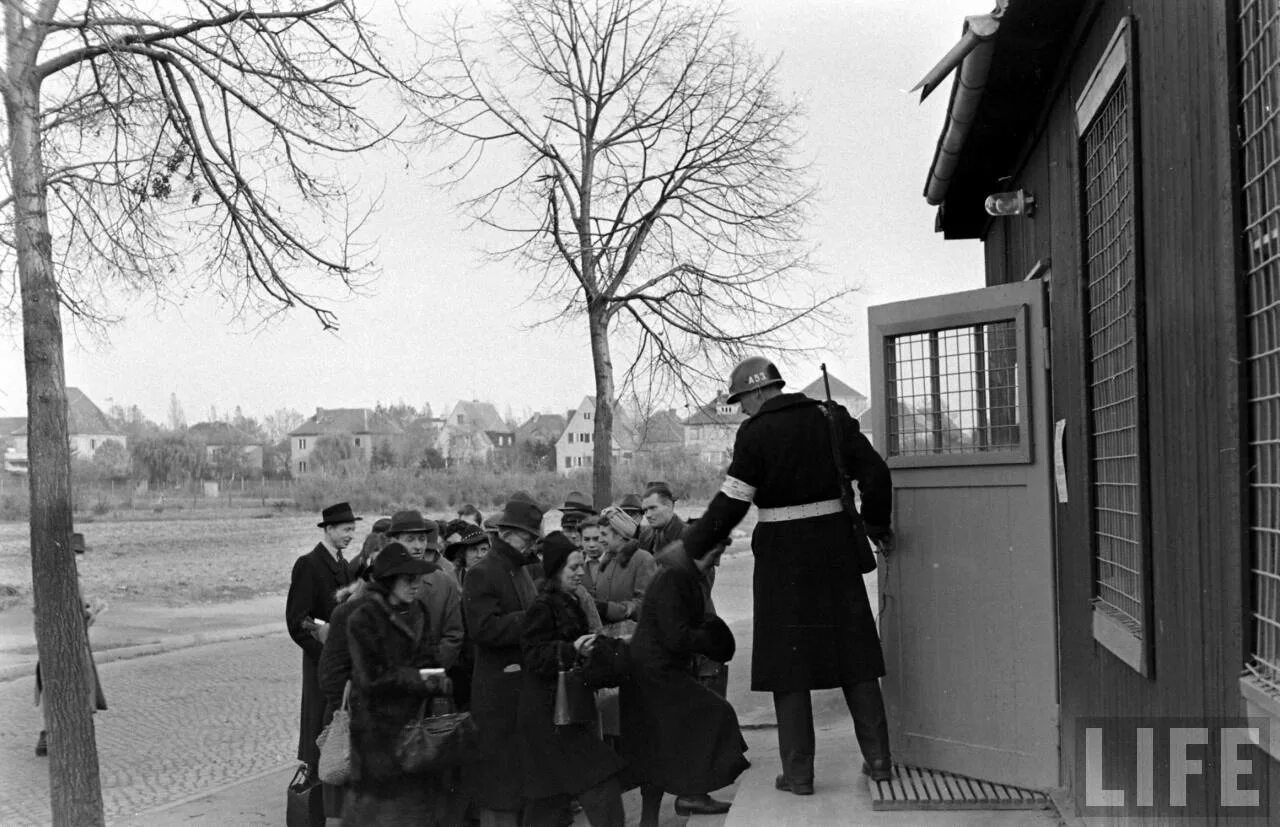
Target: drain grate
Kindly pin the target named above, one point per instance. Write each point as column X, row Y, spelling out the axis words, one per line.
column 916, row 788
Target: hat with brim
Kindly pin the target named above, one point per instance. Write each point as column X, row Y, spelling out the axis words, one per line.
column 461, row 540
column 395, row 560
column 521, row 515
column 337, row 515
column 631, row 504
column 77, row 542
column 577, row 502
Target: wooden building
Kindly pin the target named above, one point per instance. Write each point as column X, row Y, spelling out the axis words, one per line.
column 1116, row 389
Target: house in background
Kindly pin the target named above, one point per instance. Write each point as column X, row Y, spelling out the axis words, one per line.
column 854, row 401
column 367, row 430
column 87, row 428
column 9, row 426
column 219, row 437
column 473, row 433
column 709, row 433
column 536, row 439
column 661, row 432
column 575, row 449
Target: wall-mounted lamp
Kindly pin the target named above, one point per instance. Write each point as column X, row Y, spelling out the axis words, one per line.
column 1018, row 202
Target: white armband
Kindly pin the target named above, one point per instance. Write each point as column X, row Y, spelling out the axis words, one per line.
column 736, row 489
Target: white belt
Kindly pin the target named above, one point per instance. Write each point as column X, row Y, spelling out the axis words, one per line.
column 799, row 512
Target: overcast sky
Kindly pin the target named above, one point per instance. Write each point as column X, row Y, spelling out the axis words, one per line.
column 442, row 322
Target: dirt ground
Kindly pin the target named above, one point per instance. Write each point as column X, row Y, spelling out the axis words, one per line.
column 216, row 557
column 174, row 562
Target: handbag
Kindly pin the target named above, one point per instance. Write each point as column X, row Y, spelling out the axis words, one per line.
column 334, row 766
column 303, row 802
column 575, row 702
column 608, row 665
column 430, row 743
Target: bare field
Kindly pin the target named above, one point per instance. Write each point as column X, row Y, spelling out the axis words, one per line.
column 175, row 561
column 193, row 557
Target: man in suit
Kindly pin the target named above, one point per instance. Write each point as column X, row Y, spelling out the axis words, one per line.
column 316, row 578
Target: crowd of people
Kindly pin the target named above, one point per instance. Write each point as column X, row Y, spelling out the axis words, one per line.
column 502, row 605
column 487, row 614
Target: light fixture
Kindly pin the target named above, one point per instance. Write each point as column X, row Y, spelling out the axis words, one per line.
column 1017, row 202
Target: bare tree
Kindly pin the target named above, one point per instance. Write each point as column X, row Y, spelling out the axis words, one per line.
column 652, row 181
column 161, row 148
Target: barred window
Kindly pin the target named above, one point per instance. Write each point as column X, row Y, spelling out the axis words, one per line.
column 1113, row 358
column 955, row 394
column 1259, row 105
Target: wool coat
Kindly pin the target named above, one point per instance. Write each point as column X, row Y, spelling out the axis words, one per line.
column 442, row 597
column 677, row 734
column 813, row 626
column 497, row 593
column 313, row 586
column 388, row 646
column 621, row 582
column 555, row 760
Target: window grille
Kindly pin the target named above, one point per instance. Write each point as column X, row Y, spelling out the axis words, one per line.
column 955, row 391
column 1260, row 152
column 1112, row 339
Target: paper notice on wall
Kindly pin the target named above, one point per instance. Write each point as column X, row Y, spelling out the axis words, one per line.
column 1059, row 461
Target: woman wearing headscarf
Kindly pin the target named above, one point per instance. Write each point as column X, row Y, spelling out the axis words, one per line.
column 390, row 642
column 678, row 736
column 570, row 761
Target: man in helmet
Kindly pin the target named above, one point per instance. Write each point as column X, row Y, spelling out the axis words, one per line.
column 813, row 626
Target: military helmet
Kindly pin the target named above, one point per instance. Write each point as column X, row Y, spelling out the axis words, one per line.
column 751, row 374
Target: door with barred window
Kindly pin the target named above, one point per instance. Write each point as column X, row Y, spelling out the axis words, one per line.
column 960, row 412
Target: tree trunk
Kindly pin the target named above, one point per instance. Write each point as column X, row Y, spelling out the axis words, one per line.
column 61, row 637
column 602, row 364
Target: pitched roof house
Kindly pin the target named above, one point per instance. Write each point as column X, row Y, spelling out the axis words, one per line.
column 473, row 432
column 854, row 401
column 575, row 449
column 223, row 436
column 366, row 428
column 87, row 429
column 710, row 431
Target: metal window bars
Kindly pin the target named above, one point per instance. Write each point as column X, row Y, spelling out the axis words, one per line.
column 1112, row 358
column 1260, row 102
column 954, row 390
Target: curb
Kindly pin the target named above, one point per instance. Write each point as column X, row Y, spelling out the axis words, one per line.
column 22, row 670
column 290, row 766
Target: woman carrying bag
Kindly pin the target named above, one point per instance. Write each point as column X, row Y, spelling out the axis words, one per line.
column 389, row 642
column 562, row 761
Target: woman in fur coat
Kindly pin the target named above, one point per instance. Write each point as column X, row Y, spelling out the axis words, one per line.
column 389, row 640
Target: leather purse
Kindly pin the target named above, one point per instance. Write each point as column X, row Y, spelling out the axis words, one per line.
column 430, row 743
column 334, row 766
column 575, row 701
column 303, row 804
column 609, row 663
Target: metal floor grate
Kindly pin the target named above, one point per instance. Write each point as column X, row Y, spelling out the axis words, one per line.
column 915, row 788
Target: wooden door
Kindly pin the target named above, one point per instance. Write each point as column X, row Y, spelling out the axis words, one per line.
column 960, row 411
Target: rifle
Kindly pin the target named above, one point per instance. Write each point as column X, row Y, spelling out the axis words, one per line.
column 862, row 545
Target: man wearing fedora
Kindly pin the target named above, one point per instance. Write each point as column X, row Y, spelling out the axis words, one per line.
column 497, row 592
column 440, row 596
column 316, row 578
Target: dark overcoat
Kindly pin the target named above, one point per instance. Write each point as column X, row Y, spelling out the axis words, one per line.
column 677, row 734
column 556, row 760
column 313, row 584
column 496, row 594
column 335, row 656
column 654, row 540
column 813, row 626
column 388, row 646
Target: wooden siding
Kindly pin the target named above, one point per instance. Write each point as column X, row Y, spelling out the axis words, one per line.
column 1188, row 225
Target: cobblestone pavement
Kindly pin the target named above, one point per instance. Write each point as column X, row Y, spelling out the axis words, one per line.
column 178, row 724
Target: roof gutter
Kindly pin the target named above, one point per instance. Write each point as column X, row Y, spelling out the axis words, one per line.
column 972, row 55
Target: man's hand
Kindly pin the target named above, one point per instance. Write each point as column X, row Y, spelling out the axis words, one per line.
column 884, row 543
column 584, row 644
